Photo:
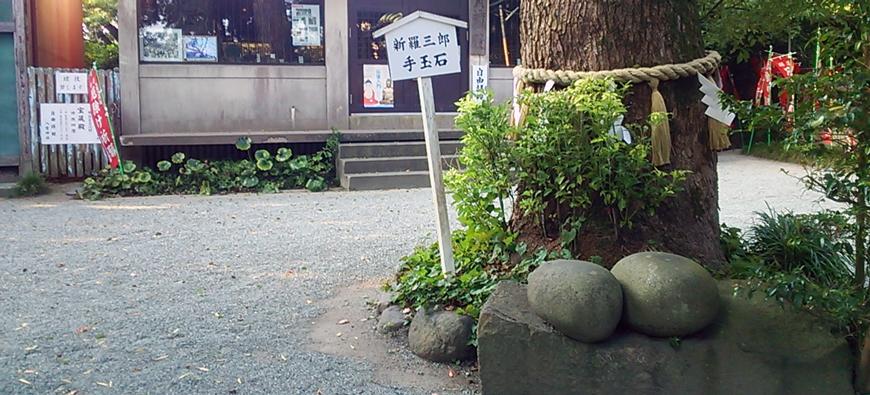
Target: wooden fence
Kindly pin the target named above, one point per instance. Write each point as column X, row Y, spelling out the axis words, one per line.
column 69, row 160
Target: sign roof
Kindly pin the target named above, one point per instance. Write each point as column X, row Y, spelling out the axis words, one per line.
column 419, row 15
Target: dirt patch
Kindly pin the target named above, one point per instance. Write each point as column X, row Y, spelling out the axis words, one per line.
column 348, row 329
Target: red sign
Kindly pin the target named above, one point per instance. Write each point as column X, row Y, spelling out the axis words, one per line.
column 100, row 116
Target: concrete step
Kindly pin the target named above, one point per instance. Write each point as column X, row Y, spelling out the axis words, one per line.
column 372, row 136
column 385, row 180
column 8, row 174
column 7, row 189
column 394, row 149
column 394, row 164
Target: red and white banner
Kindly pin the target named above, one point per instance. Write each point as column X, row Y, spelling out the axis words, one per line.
column 762, row 90
column 100, row 117
column 785, row 66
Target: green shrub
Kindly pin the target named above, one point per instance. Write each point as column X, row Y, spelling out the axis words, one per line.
column 804, row 260
column 563, row 153
column 263, row 172
column 30, row 185
column 420, row 282
column 816, row 245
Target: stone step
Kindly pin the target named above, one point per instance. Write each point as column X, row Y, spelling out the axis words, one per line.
column 385, row 180
column 8, row 174
column 393, row 164
column 372, row 136
column 394, row 149
column 7, row 189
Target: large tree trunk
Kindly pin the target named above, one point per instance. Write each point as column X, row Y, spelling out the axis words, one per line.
column 589, row 35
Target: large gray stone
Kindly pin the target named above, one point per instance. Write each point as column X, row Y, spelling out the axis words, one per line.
column 665, row 294
column 580, row 299
column 754, row 348
column 440, row 336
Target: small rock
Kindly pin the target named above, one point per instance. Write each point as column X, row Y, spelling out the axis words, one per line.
column 580, row 299
column 666, row 295
column 384, row 301
column 440, row 336
column 392, row 319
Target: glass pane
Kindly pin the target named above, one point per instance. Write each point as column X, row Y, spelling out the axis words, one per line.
column 504, row 33
column 5, row 10
column 232, row 31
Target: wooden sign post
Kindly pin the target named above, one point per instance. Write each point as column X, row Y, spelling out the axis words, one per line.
column 422, row 45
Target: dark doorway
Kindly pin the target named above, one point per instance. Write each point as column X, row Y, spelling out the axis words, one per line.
column 371, row 91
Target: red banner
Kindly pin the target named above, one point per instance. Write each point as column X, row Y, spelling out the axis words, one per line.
column 762, row 90
column 100, row 117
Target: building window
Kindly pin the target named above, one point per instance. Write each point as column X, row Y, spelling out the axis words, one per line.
column 231, row 31
column 6, row 11
column 504, row 33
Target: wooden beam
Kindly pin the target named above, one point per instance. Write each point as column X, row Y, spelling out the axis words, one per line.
column 23, row 49
column 478, row 27
column 128, row 58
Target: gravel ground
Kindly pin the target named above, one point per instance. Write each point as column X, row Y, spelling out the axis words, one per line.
column 218, row 294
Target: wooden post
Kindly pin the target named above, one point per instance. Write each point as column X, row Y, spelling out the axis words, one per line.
column 21, row 18
column 436, row 179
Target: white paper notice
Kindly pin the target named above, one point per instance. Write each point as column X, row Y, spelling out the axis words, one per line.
column 70, row 83
column 66, row 123
column 479, row 77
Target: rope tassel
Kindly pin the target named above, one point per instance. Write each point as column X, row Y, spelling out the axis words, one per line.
column 661, row 129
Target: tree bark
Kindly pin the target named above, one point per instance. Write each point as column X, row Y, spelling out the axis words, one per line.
column 590, row 35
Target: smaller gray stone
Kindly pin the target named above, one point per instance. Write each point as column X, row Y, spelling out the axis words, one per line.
column 580, row 299
column 384, row 301
column 440, row 336
column 392, row 319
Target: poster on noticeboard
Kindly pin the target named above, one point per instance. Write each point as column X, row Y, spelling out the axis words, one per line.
column 305, row 19
column 161, row 44
column 377, row 86
column 200, row 49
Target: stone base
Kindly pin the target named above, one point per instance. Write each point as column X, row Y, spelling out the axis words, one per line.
column 754, row 347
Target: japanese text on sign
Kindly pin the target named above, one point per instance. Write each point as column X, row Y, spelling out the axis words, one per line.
column 479, row 77
column 62, row 123
column 423, row 48
column 70, row 83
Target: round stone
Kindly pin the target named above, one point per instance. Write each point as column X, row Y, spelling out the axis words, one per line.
column 580, row 299
column 440, row 336
column 666, row 295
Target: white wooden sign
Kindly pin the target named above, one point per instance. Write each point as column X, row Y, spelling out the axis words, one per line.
column 479, row 77
column 422, row 45
column 66, row 123
column 70, row 83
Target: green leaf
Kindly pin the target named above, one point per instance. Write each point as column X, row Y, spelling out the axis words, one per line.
column 178, row 158
column 194, row 165
column 283, row 155
column 243, row 143
column 264, row 164
column 316, row 185
column 142, row 177
column 129, row 166
column 250, row 182
column 262, row 154
column 164, row 165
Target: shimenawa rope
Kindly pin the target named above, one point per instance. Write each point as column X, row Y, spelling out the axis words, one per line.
column 661, row 134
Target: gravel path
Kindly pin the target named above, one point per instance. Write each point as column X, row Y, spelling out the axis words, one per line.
column 218, row 294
